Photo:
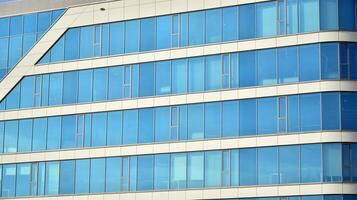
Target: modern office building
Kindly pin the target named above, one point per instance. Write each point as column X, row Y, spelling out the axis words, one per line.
column 178, row 99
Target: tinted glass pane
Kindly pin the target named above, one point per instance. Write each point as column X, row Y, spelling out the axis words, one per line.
column 132, row 36
column 114, row 126
column 16, row 25
column 247, row 117
column 332, row 162
column 8, row 180
column 230, row 23
column 248, row 167
column 4, row 23
column 163, row 33
column 178, row 171
column 147, row 79
column 308, row 15
column 266, row 19
column 10, row 136
column 28, row 41
column 67, row 170
column 196, row 74
column 145, row 172
column 179, row 76
column 288, row 64
column 15, row 50
column 72, row 44
column 99, row 129
column 55, row 90
column 162, row 124
column 147, row 34
column 213, row 120
column 267, row 67
column 97, row 175
column 293, row 114
column 247, row 21
column 213, row 72
column 230, row 118
column 44, row 22
column 116, row 38
column 4, row 50
column 213, row 168
column 163, row 76
column 247, row 69
column 267, row 115
column 311, row 163
column 195, row 121
column 328, row 15
column 70, row 87
column 115, row 82
column 100, row 84
column 113, row 175
column 86, row 42
column 39, row 134
column 309, row 62
column 23, row 179
column 85, row 85
column 213, row 25
column 347, row 15
column 27, row 92
column 348, row 111
column 196, row 28
column 82, row 176
column 130, row 126
column 310, row 112
column 57, row 51
column 289, row 164
column 54, row 133
column 25, row 135
column 162, row 171
column 52, row 178
column 267, row 166
column 68, row 131
column 330, row 111
column 329, row 61
column 146, row 125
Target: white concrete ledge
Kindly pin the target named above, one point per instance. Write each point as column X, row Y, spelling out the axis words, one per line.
column 241, row 192
column 182, row 146
column 224, row 95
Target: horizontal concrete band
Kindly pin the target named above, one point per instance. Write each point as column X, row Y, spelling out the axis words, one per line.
column 183, row 146
column 234, row 94
column 242, row 192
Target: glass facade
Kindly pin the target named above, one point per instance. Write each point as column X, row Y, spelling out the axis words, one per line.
column 19, row 33
column 255, row 166
column 259, row 20
column 305, row 63
column 314, row 112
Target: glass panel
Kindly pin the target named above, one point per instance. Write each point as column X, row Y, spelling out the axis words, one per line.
column 39, row 134
column 52, row 178
column 230, row 23
column 146, row 125
column 247, row 117
column 267, row 115
column 8, row 180
column 133, row 173
column 234, row 167
column 23, row 179
column 132, row 36
column 179, row 76
column 116, row 38
column 354, row 162
column 16, row 25
column 145, row 172
column 105, row 40
column 54, row 133
column 329, row 61
column 213, row 120
column 195, row 121
column 15, row 50
column 213, row 168
column 85, row 85
column 163, row 33
column 30, row 23
column 213, row 72
column 195, row 163
column 100, row 84
column 246, row 21
column 162, row 172
column 55, row 90
column 27, row 92
column 328, row 15
column 82, row 176
column 25, row 135
column 310, row 112
column 178, row 171
column 293, row 114
column 113, row 174
column 196, row 74
column 332, row 162
column 308, row 16
column 10, row 136
column 147, row 34
column 147, row 79
column 130, row 127
column 266, row 19
column 70, row 87
column 68, row 131
column 67, row 171
column 86, row 42
column 163, row 77
column 230, row 118
column 72, row 44
column 97, row 175
column 115, row 126
column 99, row 129
column 214, row 25
column 267, row 166
column 311, row 163
column 267, row 67
column 115, row 85
column 57, row 51
column 44, row 22
column 196, row 28
column 309, row 62
column 248, row 167
column 4, row 24
column 330, row 111
column 347, row 15
column 288, row 64
column 162, row 124
column 4, row 50
column 247, row 69
column 348, row 111
column 289, row 164
column 13, row 98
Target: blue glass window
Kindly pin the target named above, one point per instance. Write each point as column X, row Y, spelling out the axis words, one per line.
column 116, row 38
column 114, row 126
column 145, row 172
column 267, row 115
column 147, row 77
column 8, row 180
column 230, row 119
column 247, row 117
column 293, row 114
column 39, row 134
column 247, row 69
column 332, row 162
column 55, row 90
column 130, row 124
column 15, row 50
column 329, row 61
column 310, row 112
column 10, row 136
column 162, row 172
column 70, row 87
column 23, row 179
column 213, row 72
column 230, row 23
column 4, row 50
column 213, row 25
column 52, row 178
column 289, row 164
column 248, row 167
column 4, row 23
column 72, row 44
column 13, row 98
column 85, row 82
column 267, row 166
column 147, row 34
column 82, row 176
column 57, row 51
column 309, row 62
column 311, row 163
column 86, row 42
column 179, row 76
column 68, row 131
column 348, row 111
column 328, row 15
column 267, row 67
column 213, row 168
column 178, row 171
column 25, row 135
column 27, row 89
column 213, row 120
column 44, row 22
column 105, row 40
column 196, row 74
column 195, row 169
column 195, row 121
column 28, row 41
column 162, row 124
column 100, row 84
column 132, row 36
column 99, row 129
column 266, row 19
column 288, row 64
column 163, row 33
column 234, row 167
column 163, row 77
column 97, row 175
column 16, row 25
column 146, row 125
column 113, row 174
column 247, row 21
column 115, row 86
column 67, row 170
column 347, row 15
column 308, row 16
column 30, row 23
column 196, row 28
column 330, row 111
